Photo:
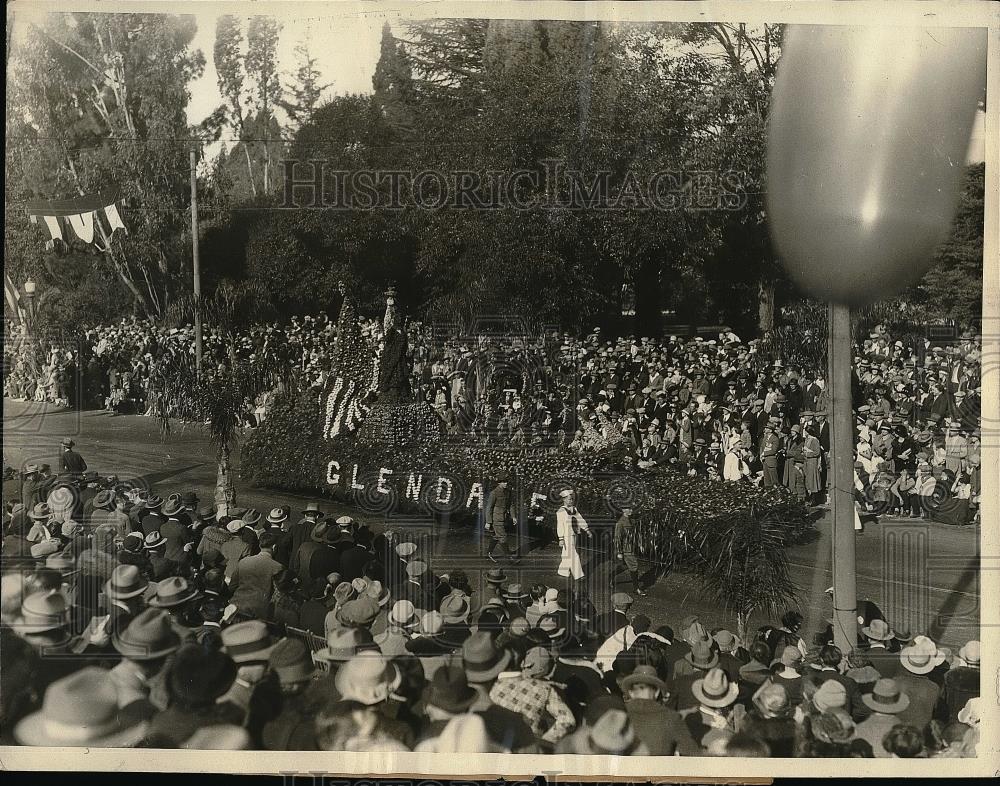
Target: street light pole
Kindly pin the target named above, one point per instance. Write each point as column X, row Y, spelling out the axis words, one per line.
column 195, row 261
column 845, row 596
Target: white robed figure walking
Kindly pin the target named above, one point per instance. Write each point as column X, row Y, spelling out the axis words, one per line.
column 569, row 525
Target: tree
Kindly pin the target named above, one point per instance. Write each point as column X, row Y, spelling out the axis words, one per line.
column 96, row 100
column 953, row 286
column 225, row 395
column 249, row 83
column 305, row 91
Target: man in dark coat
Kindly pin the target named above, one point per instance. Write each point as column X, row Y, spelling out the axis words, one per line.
column 961, row 682
column 70, row 460
column 616, row 619
column 318, row 557
column 31, row 488
column 151, row 519
column 298, row 534
column 656, row 724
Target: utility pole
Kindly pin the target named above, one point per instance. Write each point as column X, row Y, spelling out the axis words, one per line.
column 194, row 258
column 845, row 595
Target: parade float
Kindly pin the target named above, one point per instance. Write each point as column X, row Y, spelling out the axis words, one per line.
column 361, row 439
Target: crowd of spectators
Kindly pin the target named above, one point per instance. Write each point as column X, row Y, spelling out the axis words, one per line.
column 721, row 408
column 135, row 620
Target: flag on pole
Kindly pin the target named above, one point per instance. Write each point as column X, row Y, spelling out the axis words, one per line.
column 64, row 218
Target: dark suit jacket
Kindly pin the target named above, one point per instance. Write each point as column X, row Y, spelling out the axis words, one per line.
column 923, row 698
column 887, row 663
column 71, row 461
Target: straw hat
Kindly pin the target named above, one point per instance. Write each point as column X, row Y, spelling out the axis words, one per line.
column 172, row 592
column 715, row 689
column 922, row 657
column 368, row 678
column 43, row 611
column 247, row 642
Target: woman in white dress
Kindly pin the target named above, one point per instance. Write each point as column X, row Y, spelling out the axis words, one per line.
column 569, row 525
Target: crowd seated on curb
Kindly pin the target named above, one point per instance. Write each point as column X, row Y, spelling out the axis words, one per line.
column 135, row 620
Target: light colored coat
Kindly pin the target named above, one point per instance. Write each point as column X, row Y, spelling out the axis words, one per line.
column 570, row 564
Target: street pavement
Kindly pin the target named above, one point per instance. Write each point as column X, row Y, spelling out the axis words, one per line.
column 924, row 575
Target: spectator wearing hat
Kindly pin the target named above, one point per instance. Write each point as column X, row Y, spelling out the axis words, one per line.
column 447, row 700
column 515, row 597
column 151, row 518
column 608, row 732
column 177, row 596
column 254, row 691
column 368, row 682
column 81, row 710
column 886, row 702
column 715, row 715
column 44, row 623
column 961, row 681
column 253, row 578
column 531, row 694
column 31, row 486
column 277, row 518
column 196, row 679
column 658, row 726
column 298, row 533
column 123, row 593
column 176, row 530
column 318, row 557
column 109, row 521
column 878, row 636
column 402, row 619
column 293, row 728
column 69, row 460
column 155, row 546
column 342, row 644
column 428, row 645
column 145, row 645
column 455, row 610
column 919, row 660
column 727, row 644
column 483, row 662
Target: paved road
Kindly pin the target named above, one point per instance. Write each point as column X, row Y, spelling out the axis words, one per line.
column 925, row 572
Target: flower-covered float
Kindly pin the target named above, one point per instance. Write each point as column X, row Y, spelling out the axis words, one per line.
column 363, row 441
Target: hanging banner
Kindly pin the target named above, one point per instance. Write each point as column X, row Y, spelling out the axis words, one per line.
column 64, row 219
